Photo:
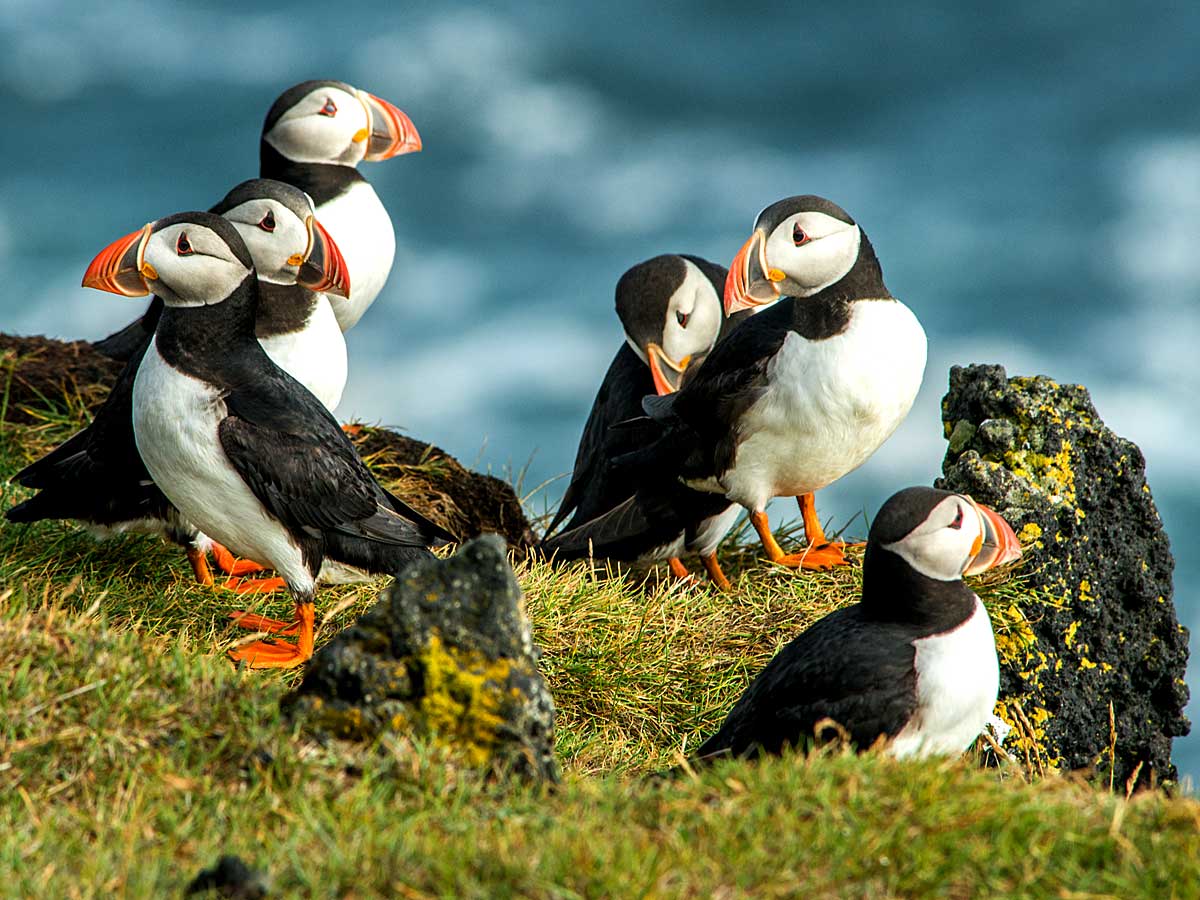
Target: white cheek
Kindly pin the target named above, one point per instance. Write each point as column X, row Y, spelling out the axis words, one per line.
column 697, row 298
column 941, row 554
column 814, row 266
column 195, row 280
column 319, row 139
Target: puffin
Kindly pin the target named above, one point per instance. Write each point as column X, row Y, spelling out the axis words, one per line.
column 913, row 663
column 236, row 444
column 801, row 393
column 671, row 312
column 314, row 136
column 97, row 476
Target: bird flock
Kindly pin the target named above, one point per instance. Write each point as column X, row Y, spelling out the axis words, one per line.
column 773, row 378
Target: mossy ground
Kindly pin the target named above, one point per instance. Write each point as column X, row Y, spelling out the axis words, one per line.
column 132, row 755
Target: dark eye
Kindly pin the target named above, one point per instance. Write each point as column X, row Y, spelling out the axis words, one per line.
column 182, row 246
column 798, row 235
column 268, row 221
column 681, row 318
column 330, row 108
column 958, row 519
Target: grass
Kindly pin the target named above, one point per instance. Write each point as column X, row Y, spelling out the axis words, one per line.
column 132, row 755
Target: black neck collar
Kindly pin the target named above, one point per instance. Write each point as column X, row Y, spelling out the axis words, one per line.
column 322, row 181
column 216, row 342
column 893, row 591
column 827, row 313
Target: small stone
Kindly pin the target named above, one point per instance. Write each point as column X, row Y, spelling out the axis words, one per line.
column 231, row 877
column 446, row 654
column 962, row 434
column 1098, row 626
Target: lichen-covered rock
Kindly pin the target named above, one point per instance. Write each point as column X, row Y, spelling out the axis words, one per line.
column 447, row 654
column 1098, row 625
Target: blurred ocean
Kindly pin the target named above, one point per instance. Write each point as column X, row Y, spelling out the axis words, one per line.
column 1029, row 173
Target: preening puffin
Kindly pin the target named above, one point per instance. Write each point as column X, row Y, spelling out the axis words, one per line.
column 97, row 477
column 803, row 392
column 240, row 448
column 914, row 663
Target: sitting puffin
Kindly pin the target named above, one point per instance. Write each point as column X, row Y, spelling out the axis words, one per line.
column 97, row 476
column 914, row 663
column 803, row 392
column 670, row 309
column 314, row 136
column 239, row 447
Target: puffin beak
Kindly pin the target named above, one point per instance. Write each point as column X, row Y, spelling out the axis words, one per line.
column 997, row 545
column 322, row 268
column 667, row 373
column 749, row 282
column 120, row 268
column 390, row 131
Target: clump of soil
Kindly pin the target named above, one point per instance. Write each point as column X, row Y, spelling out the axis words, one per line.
column 41, row 373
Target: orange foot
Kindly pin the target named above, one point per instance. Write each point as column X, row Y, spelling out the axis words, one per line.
column 713, row 568
column 679, row 570
column 280, row 654
column 826, row 555
column 352, row 429
column 231, row 565
column 254, row 585
column 254, row 622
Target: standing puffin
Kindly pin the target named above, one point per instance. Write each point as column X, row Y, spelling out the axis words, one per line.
column 235, row 443
column 803, row 392
column 97, row 476
column 913, row 663
column 670, row 308
column 314, row 136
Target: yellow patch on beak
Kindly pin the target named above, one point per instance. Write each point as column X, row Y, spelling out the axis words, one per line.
column 148, row 271
column 296, row 259
column 776, row 274
column 361, row 135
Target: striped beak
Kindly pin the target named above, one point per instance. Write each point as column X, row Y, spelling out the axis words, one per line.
column 322, row 267
column 748, row 283
column 996, row 545
column 391, row 131
column 120, row 268
column 667, row 373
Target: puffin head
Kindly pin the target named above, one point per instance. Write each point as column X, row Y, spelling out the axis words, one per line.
column 334, row 123
column 671, row 313
column 288, row 244
column 943, row 535
column 799, row 247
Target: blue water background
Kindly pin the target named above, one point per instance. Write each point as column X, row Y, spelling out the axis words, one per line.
column 1029, row 173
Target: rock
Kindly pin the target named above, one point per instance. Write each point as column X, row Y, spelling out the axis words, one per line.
column 230, row 877
column 447, row 654
column 1099, row 625
column 465, row 503
column 42, row 373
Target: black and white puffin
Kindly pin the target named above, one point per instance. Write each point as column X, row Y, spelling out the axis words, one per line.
column 803, row 392
column 670, row 309
column 235, row 443
column 914, row 663
column 314, row 136
column 97, row 477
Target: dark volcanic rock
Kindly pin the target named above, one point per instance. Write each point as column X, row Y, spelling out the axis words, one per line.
column 447, row 653
column 48, row 373
column 465, row 503
column 1099, row 626
column 230, row 877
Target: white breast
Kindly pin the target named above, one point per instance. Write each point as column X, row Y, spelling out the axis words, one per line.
column 315, row 355
column 175, row 420
column 362, row 229
column 958, row 681
column 829, row 405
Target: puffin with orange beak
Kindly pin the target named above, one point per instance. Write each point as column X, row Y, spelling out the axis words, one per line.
column 805, row 391
column 237, row 445
column 670, row 309
column 314, row 136
column 913, row 664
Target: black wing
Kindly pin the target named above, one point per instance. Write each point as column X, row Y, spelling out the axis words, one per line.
column 295, row 458
column 858, row 672
column 594, row 487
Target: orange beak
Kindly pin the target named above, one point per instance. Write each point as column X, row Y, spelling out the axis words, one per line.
column 323, row 268
column 392, row 131
column 747, row 285
column 118, row 268
column 667, row 373
column 997, row 545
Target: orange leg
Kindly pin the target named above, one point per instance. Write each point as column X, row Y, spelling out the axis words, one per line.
column 352, row 429
column 254, row 585
column 255, row 622
column 713, row 568
column 815, row 534
column 231, row 565
column 199, row 565
column 678, row 569
column 281, row 654
column 811, row 558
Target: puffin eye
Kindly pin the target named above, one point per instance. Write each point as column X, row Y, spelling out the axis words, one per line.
column 268, row 221
column 182, row 246
column 958, row 519
column 798, row 235
column 682, row 318
column 330, row 108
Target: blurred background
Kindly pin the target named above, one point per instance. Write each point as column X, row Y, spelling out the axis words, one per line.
column 1029, row 174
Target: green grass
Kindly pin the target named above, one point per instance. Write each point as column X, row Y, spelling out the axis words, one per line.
column 132, row 755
